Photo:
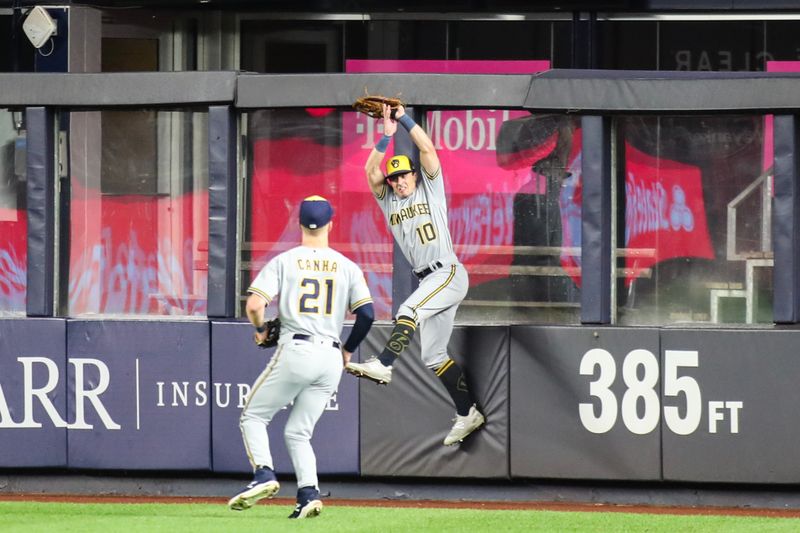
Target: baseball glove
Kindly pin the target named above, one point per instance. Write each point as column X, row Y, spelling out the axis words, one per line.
column 372, row 105
column 273, row 328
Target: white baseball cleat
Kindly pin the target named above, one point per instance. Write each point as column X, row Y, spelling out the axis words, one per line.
column 308, row 503
column 264, row 485
column 372, row 369
column 309, row 510
column 464, row 425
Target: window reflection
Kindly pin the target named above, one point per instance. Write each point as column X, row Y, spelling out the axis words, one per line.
column 13, row 216
column 513, row 183
column 696, row 200
column 139, row 213
column 513, row 189
column 295, row 153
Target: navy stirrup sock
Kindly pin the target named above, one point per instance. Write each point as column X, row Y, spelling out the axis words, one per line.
column 452, row 376
column 399, row 340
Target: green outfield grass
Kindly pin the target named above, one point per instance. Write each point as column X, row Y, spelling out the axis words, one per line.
column 169, row 518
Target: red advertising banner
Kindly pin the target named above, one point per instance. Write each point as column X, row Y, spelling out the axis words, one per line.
column 665, row 215
column 13, row 259
column 138, row 254
column 13, row 215
column 664, row 211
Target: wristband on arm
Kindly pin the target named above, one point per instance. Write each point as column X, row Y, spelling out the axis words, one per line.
column 407, row 122
column 383, row 144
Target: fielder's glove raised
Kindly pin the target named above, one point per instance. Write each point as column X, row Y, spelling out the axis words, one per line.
column 273, row 333
column 372, row 105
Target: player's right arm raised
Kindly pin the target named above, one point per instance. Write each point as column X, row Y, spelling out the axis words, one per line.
column 375, row 177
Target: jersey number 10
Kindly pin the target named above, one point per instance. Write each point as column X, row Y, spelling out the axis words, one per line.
column 426, row 233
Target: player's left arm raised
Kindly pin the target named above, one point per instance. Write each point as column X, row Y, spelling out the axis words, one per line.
column 427, row 152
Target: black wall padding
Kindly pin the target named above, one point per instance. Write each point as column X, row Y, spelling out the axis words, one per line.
column 758, row 369
column 548, row 439
column 596, row 221
column 222, row 191
column 435, row 90
column 41, row 211
column 785, row 226
column 580, row 91
column 404, row 423
column 117, row 88
column 628, row 91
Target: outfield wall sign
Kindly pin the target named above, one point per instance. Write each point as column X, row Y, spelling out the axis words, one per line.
column 649, row 404
column 603, row 403
column 640, row 406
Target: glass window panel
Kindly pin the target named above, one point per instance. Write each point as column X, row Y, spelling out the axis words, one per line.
column 695, row 198
column 513, row 186
column 782, row 40
column 709, row 45
column 628, row 45
column 416, row 39
column 506, row 218
column 291, row 46
column 490, row 39
column 295, row 153
column 13, row 214
column 562, row 50
column 138, row 213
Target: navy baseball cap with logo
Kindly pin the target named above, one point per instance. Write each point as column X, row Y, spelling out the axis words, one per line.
column 315, row 212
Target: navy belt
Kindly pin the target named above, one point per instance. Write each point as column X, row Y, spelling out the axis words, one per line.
column 423, row 273
column 309, row 338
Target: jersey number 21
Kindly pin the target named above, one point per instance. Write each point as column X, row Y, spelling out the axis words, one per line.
column 310, row 300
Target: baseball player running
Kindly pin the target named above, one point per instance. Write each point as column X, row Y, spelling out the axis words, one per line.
column 316, row 285
column 416, row 211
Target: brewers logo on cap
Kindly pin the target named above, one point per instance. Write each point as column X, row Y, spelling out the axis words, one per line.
column 399, row 164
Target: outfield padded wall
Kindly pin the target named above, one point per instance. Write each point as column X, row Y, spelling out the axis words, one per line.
column 404, row 423
column 142, row 406
column 236, row 363
column 750, row 433
column 562, row 402
column 36, row 346
column 548, row 439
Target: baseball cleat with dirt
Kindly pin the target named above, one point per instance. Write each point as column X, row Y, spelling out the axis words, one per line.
column 372, row 369
column 464, row 425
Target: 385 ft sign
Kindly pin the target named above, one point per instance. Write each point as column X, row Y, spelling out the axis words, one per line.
column 641, row 406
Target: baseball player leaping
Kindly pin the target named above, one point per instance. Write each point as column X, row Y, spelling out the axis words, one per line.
column 316, row 285
column 416, row 211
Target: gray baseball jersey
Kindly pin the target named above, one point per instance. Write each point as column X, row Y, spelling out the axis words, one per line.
column 316, row 287
column 419, row 225
column 419, row 222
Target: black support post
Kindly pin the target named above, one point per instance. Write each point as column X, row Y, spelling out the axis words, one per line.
column 41, row 211
column 596, row 221
column 222, row 212
column 786, row 222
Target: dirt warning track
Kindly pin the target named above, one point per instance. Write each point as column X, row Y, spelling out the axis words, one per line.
column 439, row 504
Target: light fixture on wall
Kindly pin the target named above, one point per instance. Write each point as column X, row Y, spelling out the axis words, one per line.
column 39, row 26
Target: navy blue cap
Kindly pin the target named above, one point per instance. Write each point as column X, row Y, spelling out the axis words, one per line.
column 315, row 212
